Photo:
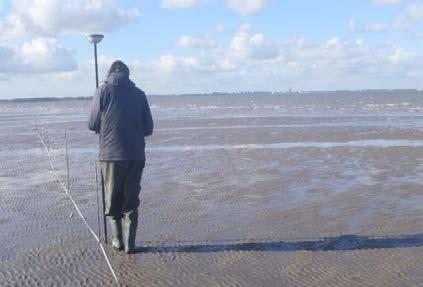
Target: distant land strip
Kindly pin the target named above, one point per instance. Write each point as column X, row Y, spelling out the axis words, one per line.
column 366, row 92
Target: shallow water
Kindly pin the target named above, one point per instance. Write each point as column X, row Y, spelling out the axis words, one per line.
column 238, row 191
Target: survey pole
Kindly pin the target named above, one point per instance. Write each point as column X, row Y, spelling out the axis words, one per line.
column 95, row 39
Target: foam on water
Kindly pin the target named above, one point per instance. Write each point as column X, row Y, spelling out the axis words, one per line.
column 415, row 123
column 379, row 143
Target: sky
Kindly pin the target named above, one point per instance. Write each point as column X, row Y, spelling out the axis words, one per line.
column 201, row 46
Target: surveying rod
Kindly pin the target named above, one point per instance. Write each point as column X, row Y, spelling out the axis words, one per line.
column 95, row 39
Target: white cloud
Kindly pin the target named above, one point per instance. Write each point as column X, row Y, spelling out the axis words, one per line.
column 34, row 25
column 333, row 57
column 170, row 63
column 400, row 57
column 352, row 23
column 196, row 43
column 254, row 46
column 246, row 7
column 412, row 15
column 54, row 17
column 41, row 55
column 220, row 28
column 250, row 62
column 166, row 63
column 387, row 2
column 243, row 7
column 375, row 28
column 245, row 27
column 179, row 3
column 333, row 64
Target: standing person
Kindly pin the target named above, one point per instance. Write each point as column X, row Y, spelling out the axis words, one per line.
column 121, row 115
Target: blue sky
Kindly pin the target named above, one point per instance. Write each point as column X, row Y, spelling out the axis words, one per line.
column 195, row 46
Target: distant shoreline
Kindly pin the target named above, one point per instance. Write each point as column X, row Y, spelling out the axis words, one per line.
column 49, row 99
column 258, row 93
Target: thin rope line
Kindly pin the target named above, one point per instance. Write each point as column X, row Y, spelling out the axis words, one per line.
column 77, row 208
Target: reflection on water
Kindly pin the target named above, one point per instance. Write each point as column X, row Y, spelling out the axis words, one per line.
column 361, row 143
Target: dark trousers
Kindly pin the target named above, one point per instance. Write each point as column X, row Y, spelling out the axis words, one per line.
column 122, row 184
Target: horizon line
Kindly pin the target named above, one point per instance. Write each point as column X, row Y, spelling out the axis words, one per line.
column 288, row 92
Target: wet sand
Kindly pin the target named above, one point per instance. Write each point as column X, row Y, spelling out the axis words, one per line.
column 282, row 198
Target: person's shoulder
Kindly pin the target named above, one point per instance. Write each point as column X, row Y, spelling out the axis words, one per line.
column 103, row 86
column 140, row 92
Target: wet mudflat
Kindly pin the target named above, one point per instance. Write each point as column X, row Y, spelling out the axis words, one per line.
column 237, row 191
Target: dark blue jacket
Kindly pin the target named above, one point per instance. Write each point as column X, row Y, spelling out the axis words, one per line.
column 121, row 115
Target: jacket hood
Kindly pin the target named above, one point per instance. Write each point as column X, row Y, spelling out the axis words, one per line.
column 119, row 78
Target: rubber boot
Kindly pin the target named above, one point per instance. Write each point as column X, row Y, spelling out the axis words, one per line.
column 117, row 241
column 130, row 226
